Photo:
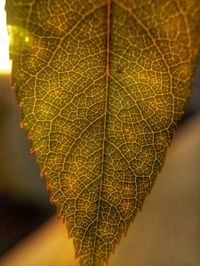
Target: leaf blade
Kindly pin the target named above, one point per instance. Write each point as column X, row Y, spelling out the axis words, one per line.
column 99, row 105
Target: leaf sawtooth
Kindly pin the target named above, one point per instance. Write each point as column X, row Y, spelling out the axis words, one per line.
column 102, row 85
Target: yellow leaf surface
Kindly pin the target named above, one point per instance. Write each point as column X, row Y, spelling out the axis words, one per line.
column 102, row 85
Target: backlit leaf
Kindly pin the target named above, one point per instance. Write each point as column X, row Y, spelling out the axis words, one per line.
column 102, row 85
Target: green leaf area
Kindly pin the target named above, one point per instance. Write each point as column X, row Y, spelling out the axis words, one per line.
column 102, row 85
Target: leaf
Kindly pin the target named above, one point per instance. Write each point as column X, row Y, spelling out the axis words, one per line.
column 102, row 85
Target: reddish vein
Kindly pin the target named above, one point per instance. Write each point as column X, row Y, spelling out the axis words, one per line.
column 105, row 116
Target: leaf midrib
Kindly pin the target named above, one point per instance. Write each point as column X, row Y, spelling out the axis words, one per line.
column 108, row 9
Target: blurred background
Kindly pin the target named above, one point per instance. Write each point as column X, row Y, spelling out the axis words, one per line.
column 167, row 232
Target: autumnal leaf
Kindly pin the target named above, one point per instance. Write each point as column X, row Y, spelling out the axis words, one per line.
column 102, row 85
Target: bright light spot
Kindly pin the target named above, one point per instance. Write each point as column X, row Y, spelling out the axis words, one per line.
column 5, row 63
column 26, row 39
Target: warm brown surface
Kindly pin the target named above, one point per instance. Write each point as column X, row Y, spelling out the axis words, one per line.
column 165, row 233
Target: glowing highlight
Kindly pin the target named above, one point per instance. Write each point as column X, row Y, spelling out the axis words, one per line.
column 5, row 63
